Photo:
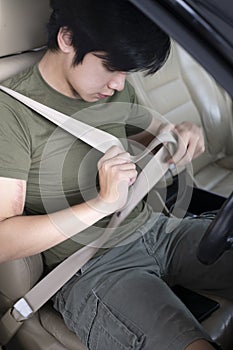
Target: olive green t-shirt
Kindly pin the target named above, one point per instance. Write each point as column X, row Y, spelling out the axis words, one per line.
column 61, row 170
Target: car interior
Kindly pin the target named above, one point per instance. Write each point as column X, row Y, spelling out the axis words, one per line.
column 181, row 91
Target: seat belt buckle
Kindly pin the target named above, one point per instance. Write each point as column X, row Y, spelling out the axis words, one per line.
column 8, row 327
column 13, row 319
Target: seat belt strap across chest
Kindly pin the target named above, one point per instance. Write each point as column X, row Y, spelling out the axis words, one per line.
column 149, row 176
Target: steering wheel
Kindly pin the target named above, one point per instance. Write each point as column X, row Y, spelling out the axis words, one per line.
column 219, row 235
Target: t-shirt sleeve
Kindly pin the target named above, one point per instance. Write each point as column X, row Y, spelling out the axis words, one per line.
column 140, row 116
column 14, row 144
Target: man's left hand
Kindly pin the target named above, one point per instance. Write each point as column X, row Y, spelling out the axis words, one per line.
column 190, row 141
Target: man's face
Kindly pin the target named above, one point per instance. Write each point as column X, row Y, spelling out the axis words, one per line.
column 92, row 81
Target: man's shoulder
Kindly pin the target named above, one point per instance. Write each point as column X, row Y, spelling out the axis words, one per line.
column 11, row 108
column 23, row 82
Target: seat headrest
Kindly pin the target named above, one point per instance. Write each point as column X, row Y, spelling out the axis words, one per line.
column 22, row 25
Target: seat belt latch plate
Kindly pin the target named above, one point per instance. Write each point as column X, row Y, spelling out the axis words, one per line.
column 23, row 309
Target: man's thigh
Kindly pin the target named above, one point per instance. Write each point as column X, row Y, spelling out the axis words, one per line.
column 179, row 263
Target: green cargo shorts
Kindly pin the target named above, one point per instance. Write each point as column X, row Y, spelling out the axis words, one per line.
column 122, row 299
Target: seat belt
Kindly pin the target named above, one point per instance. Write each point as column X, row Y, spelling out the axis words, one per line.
column 149, row 176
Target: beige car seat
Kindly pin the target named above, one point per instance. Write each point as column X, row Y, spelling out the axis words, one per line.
column 183, row 91
column 22, row 24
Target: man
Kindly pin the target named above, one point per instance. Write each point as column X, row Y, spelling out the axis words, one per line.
column 121, row 299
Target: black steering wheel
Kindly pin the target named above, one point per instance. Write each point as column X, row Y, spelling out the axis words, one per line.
column 219, row 235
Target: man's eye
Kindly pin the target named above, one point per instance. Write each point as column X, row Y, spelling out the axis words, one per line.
column 108, row 69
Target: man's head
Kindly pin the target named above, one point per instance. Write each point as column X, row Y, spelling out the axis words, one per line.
column 114, row 30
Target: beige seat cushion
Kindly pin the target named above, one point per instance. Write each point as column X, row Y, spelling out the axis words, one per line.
column 53, row 323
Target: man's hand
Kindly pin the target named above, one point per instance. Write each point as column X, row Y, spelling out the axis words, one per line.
column 190, row 141
column 116, row 174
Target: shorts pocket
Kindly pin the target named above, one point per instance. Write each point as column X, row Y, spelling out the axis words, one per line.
column 110, row 331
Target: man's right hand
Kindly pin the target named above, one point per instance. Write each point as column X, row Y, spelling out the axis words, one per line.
column 116, row 174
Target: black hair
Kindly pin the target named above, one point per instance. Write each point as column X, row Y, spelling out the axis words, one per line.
column 115, row 30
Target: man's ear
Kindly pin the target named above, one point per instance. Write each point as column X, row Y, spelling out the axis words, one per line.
column 64, row 40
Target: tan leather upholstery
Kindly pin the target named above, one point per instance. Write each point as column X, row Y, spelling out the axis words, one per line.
column 53, row 323
column 45, row 328
column 213, row 103
column 220, row 324
column 21, row 29
column 23, row 272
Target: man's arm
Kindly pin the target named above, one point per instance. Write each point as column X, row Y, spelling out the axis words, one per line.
column 12, row 197
column 22, row 236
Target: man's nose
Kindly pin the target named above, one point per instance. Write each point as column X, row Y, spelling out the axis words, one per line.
column 118, row 81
